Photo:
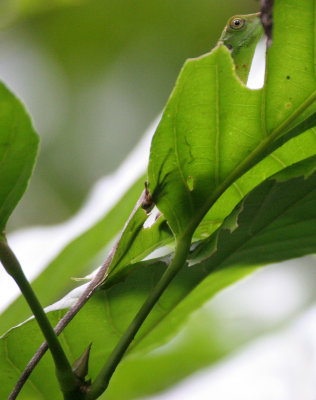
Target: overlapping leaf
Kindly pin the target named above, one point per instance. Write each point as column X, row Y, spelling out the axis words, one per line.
column 18, row 148
column 277, row 220
column 75, row 258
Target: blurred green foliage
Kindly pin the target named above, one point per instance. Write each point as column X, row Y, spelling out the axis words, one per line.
column 94, row 74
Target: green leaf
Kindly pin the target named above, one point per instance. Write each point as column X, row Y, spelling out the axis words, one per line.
column 136, row 243
column 290, row 80
column 11, row 363
column 295, row 150
column 277, row 220
column 75, row 259
column 186, row 145
column 18, row 149
column 214, row 129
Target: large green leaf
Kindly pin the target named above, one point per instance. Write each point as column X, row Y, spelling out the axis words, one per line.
column 135, row 244
column 75, row 258
column 214, row 129
column 184, row 166
column 290, row 79
column 18, row 149
column 277, row 220
column 289, row 198
column 293, row 151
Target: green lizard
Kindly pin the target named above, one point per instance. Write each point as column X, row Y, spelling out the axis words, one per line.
column 241, row 35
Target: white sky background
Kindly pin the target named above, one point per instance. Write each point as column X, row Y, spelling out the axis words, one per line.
column 281, row 366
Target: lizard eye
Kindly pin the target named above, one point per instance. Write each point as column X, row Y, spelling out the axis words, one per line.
column 237, row 23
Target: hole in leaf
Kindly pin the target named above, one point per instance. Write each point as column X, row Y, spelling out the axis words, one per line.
column 152, row 218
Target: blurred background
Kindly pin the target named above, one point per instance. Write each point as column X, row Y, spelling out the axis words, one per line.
column 93, row 75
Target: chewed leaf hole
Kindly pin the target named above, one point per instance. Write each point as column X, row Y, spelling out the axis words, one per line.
column 152, row 218
column 190, row 183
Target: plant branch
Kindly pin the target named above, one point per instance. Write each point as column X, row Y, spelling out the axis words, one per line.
column 67, row 381
column 98, row 279
column 102, row 380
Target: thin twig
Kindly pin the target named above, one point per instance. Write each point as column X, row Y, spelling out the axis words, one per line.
column 98, row 279
column 266, row 16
